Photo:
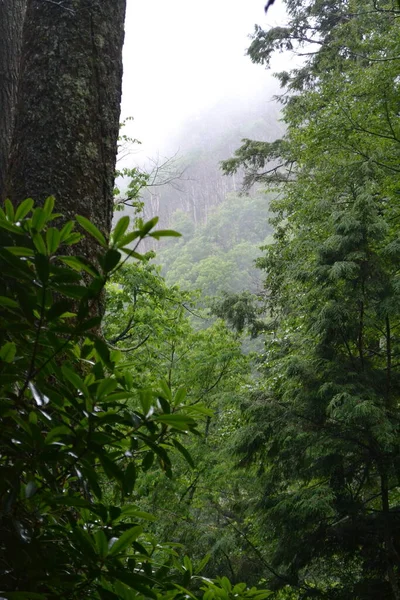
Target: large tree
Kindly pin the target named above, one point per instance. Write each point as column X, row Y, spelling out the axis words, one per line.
column 12, row 14
column 67, row 112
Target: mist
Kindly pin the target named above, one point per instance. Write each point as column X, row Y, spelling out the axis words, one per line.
column 194, row 95
column 183, row 58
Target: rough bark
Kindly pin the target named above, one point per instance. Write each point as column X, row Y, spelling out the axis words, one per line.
column 11, row 21
column 67, row 118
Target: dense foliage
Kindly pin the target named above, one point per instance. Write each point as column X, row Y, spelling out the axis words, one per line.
column 78, row 428
column 150, row 433
column 219, row 255
column 324, row 420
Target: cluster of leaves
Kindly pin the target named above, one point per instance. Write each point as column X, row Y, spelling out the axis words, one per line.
column 75, row 429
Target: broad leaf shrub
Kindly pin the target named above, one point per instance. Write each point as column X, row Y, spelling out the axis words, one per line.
column 75, row 430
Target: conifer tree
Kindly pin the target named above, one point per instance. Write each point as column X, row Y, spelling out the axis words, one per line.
column 324, row 421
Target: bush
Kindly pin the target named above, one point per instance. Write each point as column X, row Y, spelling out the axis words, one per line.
column 75, row 430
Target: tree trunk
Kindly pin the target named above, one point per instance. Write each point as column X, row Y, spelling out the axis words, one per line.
column 12, row 14
column 67, row 119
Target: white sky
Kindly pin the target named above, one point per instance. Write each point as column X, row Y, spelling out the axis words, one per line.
column 181, row 56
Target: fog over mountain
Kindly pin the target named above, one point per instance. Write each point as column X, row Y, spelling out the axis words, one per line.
column 183, row 58
column 194, row 95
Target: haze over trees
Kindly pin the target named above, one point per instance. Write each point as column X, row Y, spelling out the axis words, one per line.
column 229, row 427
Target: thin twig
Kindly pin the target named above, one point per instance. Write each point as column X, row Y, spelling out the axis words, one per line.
column 61, row 5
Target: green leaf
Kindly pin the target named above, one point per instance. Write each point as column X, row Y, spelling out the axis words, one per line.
column 180, row 396
column 116, row 356
column 72, row 291
column 147, row 461
column 49, row 206
column 23, row 209
column 57, row 433
column 186, row 593
column 106, row 594
column 187, row 563
column 42, row 265
column 135, row 581
column 84, row 542
column 30, row 489
column 128, row 238
column 148, row 226
column 129, row 478
column 9, row 302
column 184, row 452
column 92, row 229
column 239, row 588
column 165, row 233
column 225, row 584
column 163, row 456
column 63, row 275
column 38, row 220
column 181, row 422
column 120, row 229
column 75, row 380
column 101, row 543
column 133, row 254
column 59, row 308
column 166, row 390
column 53, row 239
column 9, row 210
column 203, row 563
column 66, row 230
column 8, row 352
column 165, row 405
column 125, row 592
column 74, row 238
column 110, row 260
column 78, row 264
column 126, row 540
column 110, row 467
column 146, row 401
column 10, row 227
column 20, row 251
column 261, row 594
column 200, row 409
column 39, row 243
column 132, row 511
column 103, row 351
column 105, row 387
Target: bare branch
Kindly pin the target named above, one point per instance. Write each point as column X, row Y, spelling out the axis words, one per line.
column 60, row 4
column 132, row 348
column 124, row 332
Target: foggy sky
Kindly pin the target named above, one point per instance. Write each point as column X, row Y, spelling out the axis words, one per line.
column 182, row 56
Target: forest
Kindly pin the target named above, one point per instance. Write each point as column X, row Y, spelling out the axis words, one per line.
column 200, row 358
